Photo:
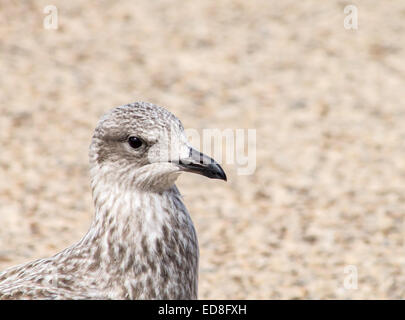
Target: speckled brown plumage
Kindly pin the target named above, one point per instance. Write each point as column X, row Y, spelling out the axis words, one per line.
column 142, row 243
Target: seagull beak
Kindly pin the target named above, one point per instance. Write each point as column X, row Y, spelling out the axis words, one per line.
column 198, row 162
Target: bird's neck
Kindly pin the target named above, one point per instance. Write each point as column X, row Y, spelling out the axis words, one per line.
column 145, row 241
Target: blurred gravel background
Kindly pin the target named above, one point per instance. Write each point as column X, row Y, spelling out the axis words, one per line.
column 327, row 104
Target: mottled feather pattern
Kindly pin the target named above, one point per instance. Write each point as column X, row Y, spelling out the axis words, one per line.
column 142, row 243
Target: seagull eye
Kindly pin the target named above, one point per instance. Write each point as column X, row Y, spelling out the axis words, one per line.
column 135, row 142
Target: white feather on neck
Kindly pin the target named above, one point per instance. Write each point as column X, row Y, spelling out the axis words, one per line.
column 130, row 222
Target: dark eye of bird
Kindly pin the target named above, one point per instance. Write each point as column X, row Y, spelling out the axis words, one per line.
column 135, row 142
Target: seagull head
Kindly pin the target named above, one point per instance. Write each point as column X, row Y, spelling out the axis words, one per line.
column 143, row 145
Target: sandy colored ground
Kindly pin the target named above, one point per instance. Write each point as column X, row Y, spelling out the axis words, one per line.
column 327, row 103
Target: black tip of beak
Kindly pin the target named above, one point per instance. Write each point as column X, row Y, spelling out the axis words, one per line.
column 202, row 164
column 215, row 171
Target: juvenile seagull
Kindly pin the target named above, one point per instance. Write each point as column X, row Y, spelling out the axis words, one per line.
column 142, row 243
